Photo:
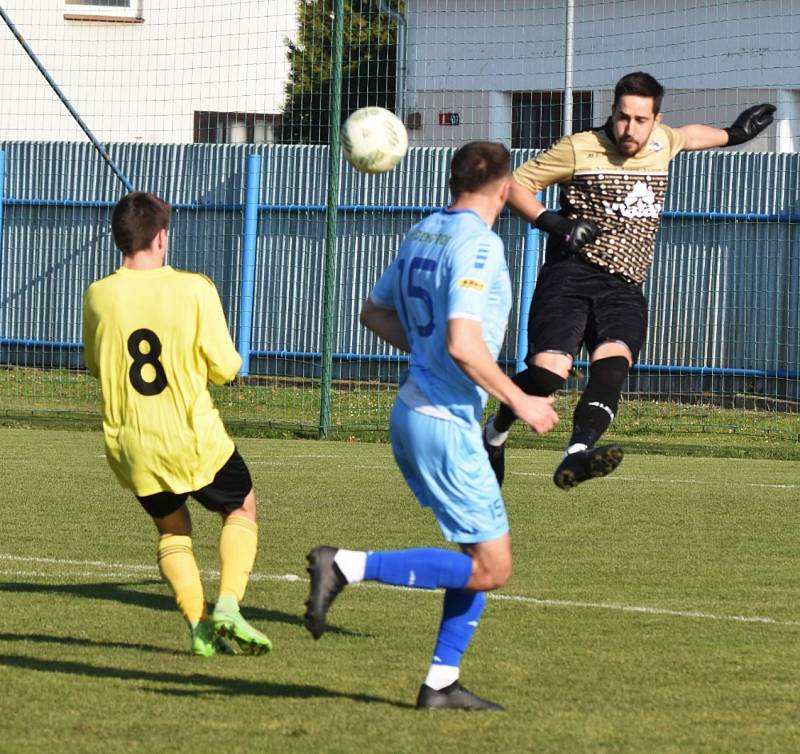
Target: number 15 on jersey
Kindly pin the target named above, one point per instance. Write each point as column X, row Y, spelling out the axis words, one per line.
column 412, row 287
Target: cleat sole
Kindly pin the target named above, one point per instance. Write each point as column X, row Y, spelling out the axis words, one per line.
column 602, row 464
column 566, row 480
column 599, row 462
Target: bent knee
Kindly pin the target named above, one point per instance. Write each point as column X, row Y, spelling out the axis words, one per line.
column 247, row 509
column 490, row 579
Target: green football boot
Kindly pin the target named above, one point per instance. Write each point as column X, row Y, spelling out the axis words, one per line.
column 233, row 628
column 204, row 643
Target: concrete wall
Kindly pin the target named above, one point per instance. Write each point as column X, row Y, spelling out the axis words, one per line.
column 142, row 81
column 715, row 58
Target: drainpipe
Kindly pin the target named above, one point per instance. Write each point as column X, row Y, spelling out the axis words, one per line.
column 569, row 52
column 402, row 57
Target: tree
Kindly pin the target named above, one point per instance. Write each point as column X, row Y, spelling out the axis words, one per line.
column 369, row 57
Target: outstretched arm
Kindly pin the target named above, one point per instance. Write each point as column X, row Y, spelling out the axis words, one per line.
column 703, row 137
column 747, row 126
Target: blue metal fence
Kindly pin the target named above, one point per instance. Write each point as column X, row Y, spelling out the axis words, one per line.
column 724, row 293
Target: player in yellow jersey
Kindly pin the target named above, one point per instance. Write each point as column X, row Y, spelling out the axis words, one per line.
column 154, row 336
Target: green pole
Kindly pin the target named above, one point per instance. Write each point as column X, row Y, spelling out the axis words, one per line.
column 329, row 280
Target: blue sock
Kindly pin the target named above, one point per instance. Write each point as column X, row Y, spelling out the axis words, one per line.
column 423, row 568
column 460, row 616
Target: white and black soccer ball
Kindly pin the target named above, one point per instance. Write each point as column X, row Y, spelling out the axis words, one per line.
column 374, row 140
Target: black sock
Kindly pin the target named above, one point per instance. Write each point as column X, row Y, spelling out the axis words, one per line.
column 533, row 381
column 599, row 402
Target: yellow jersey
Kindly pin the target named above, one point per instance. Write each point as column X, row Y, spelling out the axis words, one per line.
column 154, row 339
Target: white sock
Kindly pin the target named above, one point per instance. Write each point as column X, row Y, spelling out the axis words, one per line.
column 440, row 676
column 493, row 437
column 352, row 564
column 576, row 448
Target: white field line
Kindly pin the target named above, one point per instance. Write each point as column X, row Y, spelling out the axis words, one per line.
column 124, row 570
column 655, row 480
column 645, row 610
column 295, row 461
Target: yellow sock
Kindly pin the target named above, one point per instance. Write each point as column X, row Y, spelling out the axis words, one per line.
column 179, row 569
column 238, row 542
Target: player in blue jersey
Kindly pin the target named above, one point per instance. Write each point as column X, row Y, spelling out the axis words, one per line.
column 445, row 299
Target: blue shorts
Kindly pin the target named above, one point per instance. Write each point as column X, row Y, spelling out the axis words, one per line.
column 447, row 469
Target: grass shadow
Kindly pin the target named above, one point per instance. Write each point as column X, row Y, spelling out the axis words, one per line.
column 124, row 593
column 74, row 641
column 193, row 684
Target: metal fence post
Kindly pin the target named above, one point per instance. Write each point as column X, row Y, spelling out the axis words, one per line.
column 249, row 243
column 2, row 190
column 329, row 280
column 530, row 269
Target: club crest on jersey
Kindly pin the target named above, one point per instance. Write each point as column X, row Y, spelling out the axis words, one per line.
column 471, row 284
column 656, row 146
column 640, row 202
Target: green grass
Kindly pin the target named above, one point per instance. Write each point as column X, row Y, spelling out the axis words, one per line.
column 652, row 611
column 290, row 408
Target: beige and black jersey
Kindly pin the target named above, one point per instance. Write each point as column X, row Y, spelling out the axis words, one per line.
column 155, row 338
column 623, row 196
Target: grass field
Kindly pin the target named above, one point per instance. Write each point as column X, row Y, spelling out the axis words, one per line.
column 654, row 611
column 287, row 409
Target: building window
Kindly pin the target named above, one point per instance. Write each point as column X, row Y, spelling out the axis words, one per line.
column 538, row 117
column 103, row 9
column 234, row 128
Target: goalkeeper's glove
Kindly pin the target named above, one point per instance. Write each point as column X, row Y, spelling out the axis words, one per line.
column 574, row 233
column 749, row 124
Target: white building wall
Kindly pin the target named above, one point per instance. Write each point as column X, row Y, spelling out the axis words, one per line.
column 714, row 58
column 143, row 81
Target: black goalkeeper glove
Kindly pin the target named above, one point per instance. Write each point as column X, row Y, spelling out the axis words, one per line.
column 574, row 233
column 749, row 124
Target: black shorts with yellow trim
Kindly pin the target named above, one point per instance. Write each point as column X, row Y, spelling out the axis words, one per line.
column 577, row 303
column 225, row 494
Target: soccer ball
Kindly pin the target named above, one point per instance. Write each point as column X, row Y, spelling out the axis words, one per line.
column 374, row 140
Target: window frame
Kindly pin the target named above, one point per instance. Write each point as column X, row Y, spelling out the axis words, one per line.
column 583, row 104
column 219, row 122
column 106, row 13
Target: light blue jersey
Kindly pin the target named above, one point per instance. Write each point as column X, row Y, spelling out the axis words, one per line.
column 449, row 266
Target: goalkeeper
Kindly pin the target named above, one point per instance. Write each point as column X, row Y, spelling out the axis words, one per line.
column 154, row 336
column 599, row 251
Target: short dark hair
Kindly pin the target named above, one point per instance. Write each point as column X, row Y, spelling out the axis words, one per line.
column 477, row 164
column 137, row 220
column 639, row 84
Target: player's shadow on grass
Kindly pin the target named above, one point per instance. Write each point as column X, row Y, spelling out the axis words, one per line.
column 193, row 684
column 122, row 592
column 74, row 641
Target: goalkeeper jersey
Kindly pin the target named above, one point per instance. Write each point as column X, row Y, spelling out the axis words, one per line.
column 154, row 338
column 623, row 195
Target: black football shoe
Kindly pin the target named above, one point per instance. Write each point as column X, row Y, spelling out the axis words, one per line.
column 497, row 458
column 587, row 464
column 326, row 582
column 454, row 696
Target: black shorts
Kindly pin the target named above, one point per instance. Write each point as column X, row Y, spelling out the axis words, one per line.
column 576, row 303
column 225, row 494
